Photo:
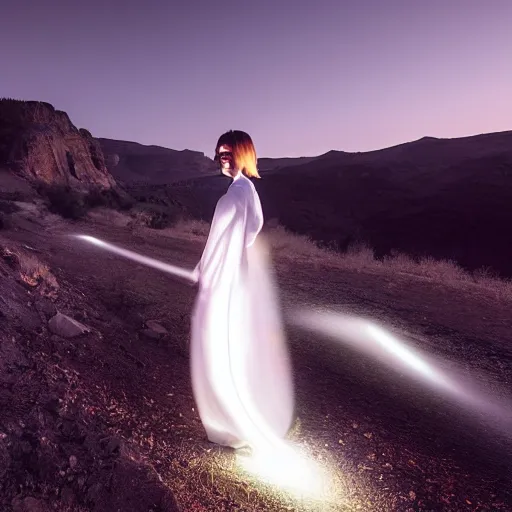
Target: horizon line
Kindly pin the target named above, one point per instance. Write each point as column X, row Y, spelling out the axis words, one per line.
column 483, row 134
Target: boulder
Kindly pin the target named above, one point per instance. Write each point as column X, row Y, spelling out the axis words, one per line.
column 66, row 327
column 156, row 327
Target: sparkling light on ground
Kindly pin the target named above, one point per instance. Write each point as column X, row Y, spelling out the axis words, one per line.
column 289, row 470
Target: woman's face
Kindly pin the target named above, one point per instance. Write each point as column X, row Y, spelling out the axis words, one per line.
column 227, row 164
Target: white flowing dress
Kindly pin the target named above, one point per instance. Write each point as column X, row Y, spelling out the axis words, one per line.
column 240, row 366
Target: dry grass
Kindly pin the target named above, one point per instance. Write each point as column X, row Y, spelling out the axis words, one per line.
column 187, row 230
column 361, row 258
column 287, row 246
column 109, row 217
column 31, row 271
column 195, row 228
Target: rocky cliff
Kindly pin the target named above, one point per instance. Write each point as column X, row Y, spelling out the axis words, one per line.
column 41, row 144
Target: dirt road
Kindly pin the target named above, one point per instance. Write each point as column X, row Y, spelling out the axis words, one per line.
column 393, row 445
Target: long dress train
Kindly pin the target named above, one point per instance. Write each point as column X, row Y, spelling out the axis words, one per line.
column 241, row 372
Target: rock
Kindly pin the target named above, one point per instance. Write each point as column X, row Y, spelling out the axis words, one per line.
column 153, row 325
column 73, row 461
column 154, row 330
column 67, row 327
column 151, row 334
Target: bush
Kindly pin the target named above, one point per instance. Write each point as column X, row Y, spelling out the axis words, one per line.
column 108, row 198
column 72, row 204
column 157, row 217
column 64, row 201
column 163, row 219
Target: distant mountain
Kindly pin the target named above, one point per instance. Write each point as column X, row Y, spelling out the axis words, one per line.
column 130, row 162
column 426, row 153
column 273, row 164
column 446, row 198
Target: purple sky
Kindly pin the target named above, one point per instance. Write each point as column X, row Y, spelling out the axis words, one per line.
column 301, row 77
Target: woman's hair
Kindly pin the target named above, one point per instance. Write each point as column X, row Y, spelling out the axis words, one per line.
column 244, row 153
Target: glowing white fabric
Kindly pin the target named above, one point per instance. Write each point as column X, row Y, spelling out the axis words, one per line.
column 241, row 373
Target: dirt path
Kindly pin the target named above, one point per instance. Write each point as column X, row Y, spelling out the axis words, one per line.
column 393, row 446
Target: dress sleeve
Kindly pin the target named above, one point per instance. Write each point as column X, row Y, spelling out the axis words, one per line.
column 224, row 247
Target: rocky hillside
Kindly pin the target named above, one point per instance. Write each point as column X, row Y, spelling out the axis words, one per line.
column 41, row 144
column 130, row 162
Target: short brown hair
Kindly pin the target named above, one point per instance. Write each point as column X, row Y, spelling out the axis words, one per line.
column 244, row 153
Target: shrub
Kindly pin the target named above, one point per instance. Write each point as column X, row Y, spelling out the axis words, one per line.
column 108, row 198
column 73, row 204
column 64, row 201
column 163, row 219
column 157, row 217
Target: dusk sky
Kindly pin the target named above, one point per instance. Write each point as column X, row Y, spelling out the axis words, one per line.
column 301, row 77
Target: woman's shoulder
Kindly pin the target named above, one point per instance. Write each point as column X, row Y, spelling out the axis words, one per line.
column 243, row 185
column 233, row 197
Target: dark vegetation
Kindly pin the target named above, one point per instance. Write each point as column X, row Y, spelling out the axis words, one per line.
column 74, row 204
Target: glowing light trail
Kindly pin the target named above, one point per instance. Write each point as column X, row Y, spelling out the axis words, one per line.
column 367, row 337
column 139, row 258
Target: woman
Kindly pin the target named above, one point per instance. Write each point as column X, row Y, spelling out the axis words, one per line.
column 240, row 367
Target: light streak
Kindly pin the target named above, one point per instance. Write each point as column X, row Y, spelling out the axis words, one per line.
column 367, row 337
column 140, row 258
